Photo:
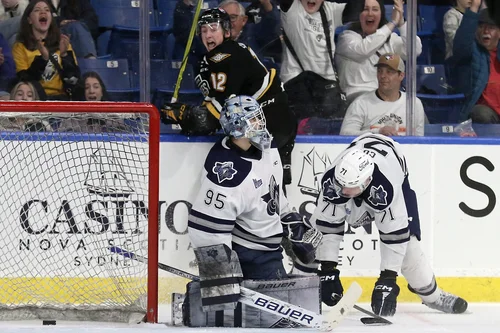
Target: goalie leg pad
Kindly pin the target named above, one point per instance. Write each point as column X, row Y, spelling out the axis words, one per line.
column 220, row 277
column 302, row 291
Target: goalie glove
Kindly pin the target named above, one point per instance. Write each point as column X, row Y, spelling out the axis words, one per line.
column 303, row 237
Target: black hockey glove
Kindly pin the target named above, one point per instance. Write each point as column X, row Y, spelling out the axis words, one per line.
column 331, row 286
column 385, row 294
column 303, row 237
column 172, row 113
column 194, row 120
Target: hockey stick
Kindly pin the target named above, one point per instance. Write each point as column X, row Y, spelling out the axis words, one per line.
column 373, row 320
column 186, row 51
column 272, row 305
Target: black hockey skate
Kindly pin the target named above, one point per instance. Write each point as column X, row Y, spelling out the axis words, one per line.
column 448, row 303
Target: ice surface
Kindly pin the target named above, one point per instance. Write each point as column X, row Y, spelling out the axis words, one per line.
column 410, row 318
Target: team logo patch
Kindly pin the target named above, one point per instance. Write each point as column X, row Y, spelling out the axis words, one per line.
column 272, row 198
column 378, row 196
column 219, row 57
column 224, row 171
column 257, row 182
column 366, row 218
column 329, row 190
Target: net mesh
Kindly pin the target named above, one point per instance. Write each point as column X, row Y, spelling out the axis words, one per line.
column 72, row 186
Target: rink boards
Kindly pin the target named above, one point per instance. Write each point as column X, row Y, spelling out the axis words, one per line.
column 456, row 181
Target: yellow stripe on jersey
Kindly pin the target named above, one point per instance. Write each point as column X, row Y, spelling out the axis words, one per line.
column 266, row 84
column 212, row 109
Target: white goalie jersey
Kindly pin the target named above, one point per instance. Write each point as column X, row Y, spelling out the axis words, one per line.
column 239, row 200
column 382, row 202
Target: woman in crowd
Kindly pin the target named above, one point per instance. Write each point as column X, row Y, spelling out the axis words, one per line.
column 24, row 91
column 359, row 47
column 95, row 90
column 43, row 54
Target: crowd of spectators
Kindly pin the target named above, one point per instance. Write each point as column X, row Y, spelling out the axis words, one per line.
column 41, row 42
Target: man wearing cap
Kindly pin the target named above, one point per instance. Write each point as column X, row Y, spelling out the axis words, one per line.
column 383, row 110
column 477, row 65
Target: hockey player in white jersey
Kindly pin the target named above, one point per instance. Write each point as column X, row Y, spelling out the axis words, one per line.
column 368, row 182
column 240, row 215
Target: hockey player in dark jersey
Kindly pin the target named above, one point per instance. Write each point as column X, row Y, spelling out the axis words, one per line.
column 240, row 215
column 231, row 68
column 368, row 183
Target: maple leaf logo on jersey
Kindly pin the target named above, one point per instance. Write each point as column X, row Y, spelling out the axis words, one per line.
column 378, row 196
column 219, row 57
column 329, row 190
column 272, row 198
column 224, row 171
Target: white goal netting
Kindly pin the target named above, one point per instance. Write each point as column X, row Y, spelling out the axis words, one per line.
column 73, row 185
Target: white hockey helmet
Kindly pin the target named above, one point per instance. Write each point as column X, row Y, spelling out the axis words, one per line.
column 354, row 170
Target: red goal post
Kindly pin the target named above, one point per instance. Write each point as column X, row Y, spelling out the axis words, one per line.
column 77, row 178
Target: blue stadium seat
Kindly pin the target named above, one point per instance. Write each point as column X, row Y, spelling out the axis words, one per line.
column 166, row 13
column 431, row 17
column 166, row 10
column 441, row 103
column 388, row 11
column 431, row 79
column 120, row 12
column 164, row 75
column 175, row 51
column 442, row 108
column 431, row 32
column 115, row 75
column 124, row 43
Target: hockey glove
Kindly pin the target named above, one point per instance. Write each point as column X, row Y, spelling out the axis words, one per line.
column 303, row 237
column 172, row 113
column 385, row 294
column 194, row 120
column 331, row 287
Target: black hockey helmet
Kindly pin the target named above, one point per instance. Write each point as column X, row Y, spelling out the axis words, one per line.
column 215, row 15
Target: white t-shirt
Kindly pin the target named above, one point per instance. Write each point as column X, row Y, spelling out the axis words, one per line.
column 369, row 113
column 306, row 34
column 355, row 56
column 451, row 22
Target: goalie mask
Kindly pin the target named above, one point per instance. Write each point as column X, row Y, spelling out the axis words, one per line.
column 353, row 173
column 242, row 117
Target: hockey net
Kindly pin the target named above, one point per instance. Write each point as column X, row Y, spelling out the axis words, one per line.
column 76, row 179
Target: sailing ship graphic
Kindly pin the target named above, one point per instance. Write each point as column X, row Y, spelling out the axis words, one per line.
column 106, row 175
column 314, row 165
